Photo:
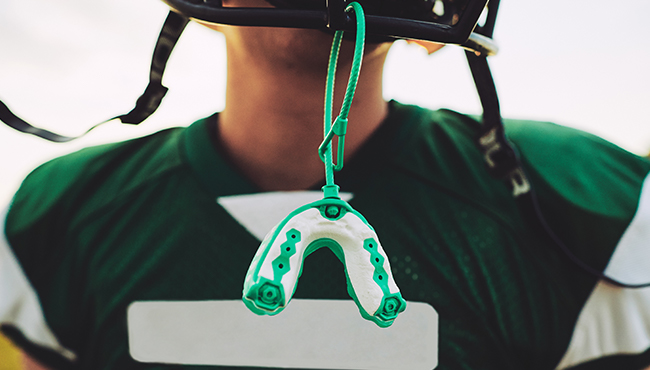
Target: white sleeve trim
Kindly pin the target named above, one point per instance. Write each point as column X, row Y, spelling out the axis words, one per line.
column 19, row 305
column 630, row 262
column 616, row 320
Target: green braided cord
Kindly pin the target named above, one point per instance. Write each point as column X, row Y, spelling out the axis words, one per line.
column 329, row 98
column 356, row 61
column 325, row 149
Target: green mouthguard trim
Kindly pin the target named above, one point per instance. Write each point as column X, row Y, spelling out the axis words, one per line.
column 287, row 249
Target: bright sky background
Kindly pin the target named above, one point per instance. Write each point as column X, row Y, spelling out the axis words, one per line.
column 68, row 64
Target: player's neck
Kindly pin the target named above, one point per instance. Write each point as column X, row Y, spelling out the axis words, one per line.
column 273, row 121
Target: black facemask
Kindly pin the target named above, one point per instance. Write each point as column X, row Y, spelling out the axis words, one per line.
column 439, row 11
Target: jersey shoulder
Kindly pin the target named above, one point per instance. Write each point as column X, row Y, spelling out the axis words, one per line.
column 93, row 177
column 439, row 148
column 589, row 172
column 589, row 189
column 572, row 164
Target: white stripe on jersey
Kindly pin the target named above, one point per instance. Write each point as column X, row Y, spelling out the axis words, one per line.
column 617, row 320
column 19, row 305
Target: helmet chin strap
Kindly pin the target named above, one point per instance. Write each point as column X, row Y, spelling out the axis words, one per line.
column 148, row 102
column 331, row 222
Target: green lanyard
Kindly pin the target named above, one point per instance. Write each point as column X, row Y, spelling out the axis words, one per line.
column 339, row 127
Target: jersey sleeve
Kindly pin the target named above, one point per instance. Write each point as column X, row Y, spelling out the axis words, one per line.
column 596, row 197
column 21, row 316
column 41, row 273
column 44, row 258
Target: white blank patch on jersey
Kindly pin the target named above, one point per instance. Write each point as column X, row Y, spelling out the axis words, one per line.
column 259, row 213
column 308, row 334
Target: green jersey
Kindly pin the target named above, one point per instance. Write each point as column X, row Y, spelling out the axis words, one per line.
column 168, row 218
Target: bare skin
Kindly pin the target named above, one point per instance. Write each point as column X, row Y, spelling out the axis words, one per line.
column 28, row 363
column 273, row 120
